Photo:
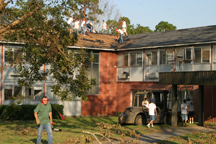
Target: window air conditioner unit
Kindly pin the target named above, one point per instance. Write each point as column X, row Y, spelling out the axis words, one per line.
column 152, row 75
column 124, row 75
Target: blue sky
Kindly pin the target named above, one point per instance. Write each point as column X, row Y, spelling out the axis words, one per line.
column 181, row 13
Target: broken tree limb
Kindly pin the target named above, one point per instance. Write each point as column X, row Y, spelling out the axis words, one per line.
column 94, row 134
column 16, row 22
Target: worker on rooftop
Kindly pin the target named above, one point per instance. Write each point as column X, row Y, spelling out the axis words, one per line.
column 104, row 27
column 83, row 27
column 89, row 27
column 69, row 22
column 121, row 35
column 76, row 26
column 124, row 27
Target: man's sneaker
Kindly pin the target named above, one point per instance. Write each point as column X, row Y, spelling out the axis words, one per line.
column 152, row 126
column 190, row 122
column 148, row 126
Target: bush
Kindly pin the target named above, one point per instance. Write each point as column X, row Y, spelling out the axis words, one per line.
column 25, row 112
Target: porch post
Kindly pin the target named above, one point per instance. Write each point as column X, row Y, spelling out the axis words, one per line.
column 201, row 106
column 174, row 106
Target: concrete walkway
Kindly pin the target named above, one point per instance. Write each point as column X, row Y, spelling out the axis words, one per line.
column 168, row 132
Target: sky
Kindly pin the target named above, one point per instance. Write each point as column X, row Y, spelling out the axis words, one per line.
column 181, row 13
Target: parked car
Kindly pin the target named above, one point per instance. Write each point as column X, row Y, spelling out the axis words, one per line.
column 139, row 115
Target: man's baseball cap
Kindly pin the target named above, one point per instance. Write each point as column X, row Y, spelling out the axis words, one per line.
column 187, row 98
column 152, row 100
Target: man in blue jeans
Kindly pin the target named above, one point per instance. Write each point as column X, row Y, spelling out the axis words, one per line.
column 43, row 116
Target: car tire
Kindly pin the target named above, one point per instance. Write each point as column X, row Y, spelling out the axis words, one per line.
column 167, row 119
column 140, row 120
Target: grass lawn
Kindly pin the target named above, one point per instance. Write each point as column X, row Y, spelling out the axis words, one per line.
column 192, row 138
column 25, row 132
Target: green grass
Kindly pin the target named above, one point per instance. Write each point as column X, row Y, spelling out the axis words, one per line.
column 25, row 132
column 194, row 137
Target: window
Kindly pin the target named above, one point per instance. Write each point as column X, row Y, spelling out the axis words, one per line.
column 180, row 54
column 202, row 55
column 205, row 55
column 162, row 57
column 34, row 93
column 151, row 58
column 214, row 54
column 94, row 73
column 188, row 56
column 12, row 53
column 10, row 91
column 170, row 56
column 122, row 59
column 50, row 94
column 197, row 55
column 136, row 59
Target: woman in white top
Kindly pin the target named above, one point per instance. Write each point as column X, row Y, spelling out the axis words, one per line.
column 69, row 22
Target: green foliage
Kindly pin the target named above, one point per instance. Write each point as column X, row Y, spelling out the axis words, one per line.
column 164, row 26
column 25, row 112
column 47, row 38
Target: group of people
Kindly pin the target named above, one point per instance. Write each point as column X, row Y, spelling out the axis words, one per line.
column 83, row 27
column 122, row 31
column 187, row 111
column 77, row 26
column 151, row 109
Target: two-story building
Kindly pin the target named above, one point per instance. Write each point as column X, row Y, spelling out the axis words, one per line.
column 124, row 72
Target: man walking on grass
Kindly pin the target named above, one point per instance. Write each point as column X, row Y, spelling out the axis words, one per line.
column 43, row 116
column 152, row 112
column 184, row 112
column 191, row 110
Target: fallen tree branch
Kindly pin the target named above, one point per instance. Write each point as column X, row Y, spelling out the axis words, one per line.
column 96, row 137
column 16, row 22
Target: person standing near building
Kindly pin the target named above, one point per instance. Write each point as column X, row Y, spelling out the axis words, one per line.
column 69, row 22
column 152, row 112
column 121, row 35
column 124, row 27
column 145, row 103
column 191, row 110
column 76, row 26
column 104, row 27
column 43, row 116
column 83, row 27
column 184, row 112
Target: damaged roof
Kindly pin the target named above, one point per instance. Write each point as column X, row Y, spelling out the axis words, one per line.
column 190, row 36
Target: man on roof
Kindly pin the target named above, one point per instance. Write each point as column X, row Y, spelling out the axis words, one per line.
column 69, row 22
column 124, row 27
column 104, row 27
column 121, row 35
column 89, row 27
column 83, row 27
column 76, row 26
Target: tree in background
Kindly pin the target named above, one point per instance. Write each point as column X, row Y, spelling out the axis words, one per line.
column 85, row 9
column 164, row 26
column 110, row 13
column 42, row 28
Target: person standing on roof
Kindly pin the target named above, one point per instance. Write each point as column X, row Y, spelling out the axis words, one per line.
column 76, row 26
column 69, row 22
column 124, row 27
column 121, row 35
column 152, row 112
column 83, row 27
column 104, row 27
column 184, row 112
column 191, row 110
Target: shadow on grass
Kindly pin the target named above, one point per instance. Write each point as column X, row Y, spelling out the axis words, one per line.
column 166, row 142
column 42, row 141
